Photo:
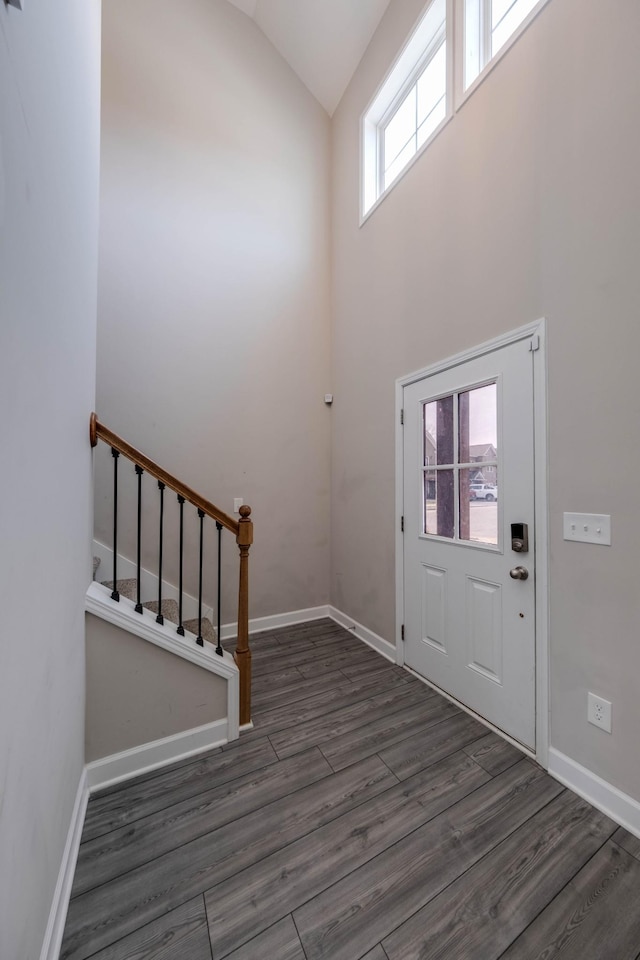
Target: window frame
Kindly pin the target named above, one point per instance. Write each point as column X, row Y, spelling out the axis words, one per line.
column 387, row 99
column 412, row 81
column 405, row 72
column 456, row 466
column 462, row 94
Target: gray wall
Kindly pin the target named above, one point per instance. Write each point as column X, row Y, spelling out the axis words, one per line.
column 213, row 331
column 49, row 144
column 526, row 205
column 137, row 692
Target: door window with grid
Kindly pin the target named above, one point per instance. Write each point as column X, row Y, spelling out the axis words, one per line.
column 460, row 466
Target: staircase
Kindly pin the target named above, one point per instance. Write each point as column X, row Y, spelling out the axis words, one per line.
column 167, row 608
column 169, row 611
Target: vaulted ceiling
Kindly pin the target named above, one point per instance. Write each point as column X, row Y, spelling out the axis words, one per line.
column 322, row 40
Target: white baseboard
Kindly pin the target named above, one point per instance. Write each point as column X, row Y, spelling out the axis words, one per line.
column 104, row 773
column 613, row 802
column 378, row 643
column 228, row 631
column 151, row 756
column 277, row 620
column 58, row 914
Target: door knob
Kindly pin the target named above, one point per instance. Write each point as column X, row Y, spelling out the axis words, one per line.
column 519, row 573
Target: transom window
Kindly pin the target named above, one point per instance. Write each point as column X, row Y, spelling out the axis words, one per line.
column 417, row 98
column 420, row 111
column 411, row 105
column 460, row 466
column 488, row 24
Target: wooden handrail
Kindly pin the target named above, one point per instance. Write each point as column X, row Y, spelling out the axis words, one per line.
column 97, row 431
column 242, row 529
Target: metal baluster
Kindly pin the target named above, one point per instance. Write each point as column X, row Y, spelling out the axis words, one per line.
column 180, row 629
column 139, row 472
column 199, row 639
column 219, row 649
column 160, row 618
column 114, row 593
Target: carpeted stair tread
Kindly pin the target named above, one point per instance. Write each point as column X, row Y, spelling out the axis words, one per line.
column 169, row 609
column 208, row 632
column 126, row 588
column 129, row 589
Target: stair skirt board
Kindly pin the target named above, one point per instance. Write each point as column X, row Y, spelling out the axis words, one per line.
column 151, row 756
column 98, row 602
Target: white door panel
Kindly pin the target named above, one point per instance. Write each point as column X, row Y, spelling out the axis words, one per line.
column 470, row 627
column 434, row 587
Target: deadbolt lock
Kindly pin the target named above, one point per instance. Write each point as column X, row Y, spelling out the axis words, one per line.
column 520, row 537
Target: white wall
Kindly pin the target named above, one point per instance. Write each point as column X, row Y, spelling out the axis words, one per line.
column 49, row 144
column 526, row 205
column 213, row 331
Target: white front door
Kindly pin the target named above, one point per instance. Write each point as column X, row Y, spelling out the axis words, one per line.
column 468, row 476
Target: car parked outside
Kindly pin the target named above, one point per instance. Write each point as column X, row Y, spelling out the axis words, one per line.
column 483, row 491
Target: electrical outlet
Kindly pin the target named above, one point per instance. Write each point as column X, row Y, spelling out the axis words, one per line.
column 599, row 712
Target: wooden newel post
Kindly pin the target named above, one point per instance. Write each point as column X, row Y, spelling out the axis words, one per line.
column 93, row 429
column 243, row 653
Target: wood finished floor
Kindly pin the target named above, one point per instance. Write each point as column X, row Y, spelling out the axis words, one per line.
column 363, row 817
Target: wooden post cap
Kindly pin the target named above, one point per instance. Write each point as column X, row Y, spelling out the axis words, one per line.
column 244, row 538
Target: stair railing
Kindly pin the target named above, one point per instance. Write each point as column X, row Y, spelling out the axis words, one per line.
column 242, row 530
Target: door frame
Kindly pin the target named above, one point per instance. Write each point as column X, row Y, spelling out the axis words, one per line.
column 535, row 331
